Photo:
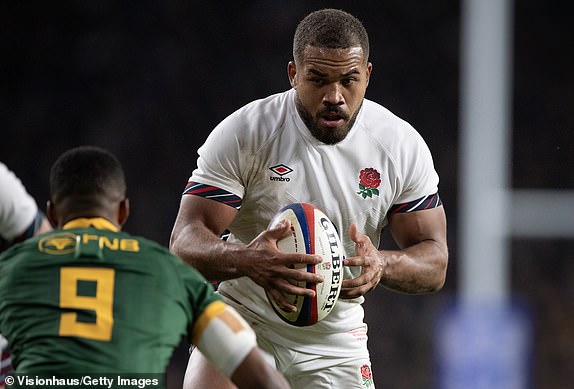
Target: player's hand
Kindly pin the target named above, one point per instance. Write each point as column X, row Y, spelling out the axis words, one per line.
column 273, row 269
column 370, row 259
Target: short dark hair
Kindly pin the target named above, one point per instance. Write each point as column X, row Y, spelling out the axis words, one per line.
column 89, row 174
column 330, row 28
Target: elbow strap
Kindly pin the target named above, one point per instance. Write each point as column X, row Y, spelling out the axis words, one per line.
column 223, row 336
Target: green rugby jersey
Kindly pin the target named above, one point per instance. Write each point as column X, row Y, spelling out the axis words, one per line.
column 89, row 298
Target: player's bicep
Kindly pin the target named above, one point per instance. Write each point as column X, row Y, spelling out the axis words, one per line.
column 410, row 228
column 214, row 215
column 223, row 336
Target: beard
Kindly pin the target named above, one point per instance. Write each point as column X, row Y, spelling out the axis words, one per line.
column 327, row 135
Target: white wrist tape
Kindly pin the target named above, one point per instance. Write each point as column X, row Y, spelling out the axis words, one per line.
column 223, row 337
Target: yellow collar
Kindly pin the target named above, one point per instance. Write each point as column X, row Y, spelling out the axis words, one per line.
column 97, row 222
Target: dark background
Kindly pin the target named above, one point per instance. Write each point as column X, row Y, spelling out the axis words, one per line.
column 149, row 80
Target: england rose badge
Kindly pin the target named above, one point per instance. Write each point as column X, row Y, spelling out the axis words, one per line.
column 369, row 182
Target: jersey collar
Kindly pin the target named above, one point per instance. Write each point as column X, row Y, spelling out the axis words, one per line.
column 97, row 222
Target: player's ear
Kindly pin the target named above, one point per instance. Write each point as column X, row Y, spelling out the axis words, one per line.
column 291, row 73
column 368, row 72
column 52, row 214
column 123, row 211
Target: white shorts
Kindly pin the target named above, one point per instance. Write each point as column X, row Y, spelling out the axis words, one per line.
column 311, row 371
column 306, row 368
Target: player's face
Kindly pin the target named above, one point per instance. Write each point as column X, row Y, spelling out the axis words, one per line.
column 330, row 85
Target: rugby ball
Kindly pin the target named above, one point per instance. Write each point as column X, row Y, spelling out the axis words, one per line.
column 312, row 232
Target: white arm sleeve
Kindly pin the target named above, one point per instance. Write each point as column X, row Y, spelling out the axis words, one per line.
column 223, row 336
column 17, row 208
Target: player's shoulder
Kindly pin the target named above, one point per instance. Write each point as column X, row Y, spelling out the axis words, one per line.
column 251, row 127
column 146, row 245
column 19, row 254
column 387, row 128
column 376, row 116
column 160, row 254
column 270, row 104
column 261, row 117
column 17, row 207
column 10, row 183
column 9, row 253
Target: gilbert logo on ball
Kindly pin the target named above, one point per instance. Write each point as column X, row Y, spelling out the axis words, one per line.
column 312, row 232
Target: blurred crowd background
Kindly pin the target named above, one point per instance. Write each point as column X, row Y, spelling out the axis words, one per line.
column 149, row 80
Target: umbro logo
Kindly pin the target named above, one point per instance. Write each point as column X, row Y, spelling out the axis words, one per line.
column 281, row 170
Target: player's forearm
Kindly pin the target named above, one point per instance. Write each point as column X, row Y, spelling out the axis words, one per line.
column 255, row 372
column 420, row 268
column 205, row 251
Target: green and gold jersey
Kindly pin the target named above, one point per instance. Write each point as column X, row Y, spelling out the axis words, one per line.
column 89, row 298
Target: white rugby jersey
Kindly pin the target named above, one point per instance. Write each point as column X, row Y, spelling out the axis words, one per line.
column 262, row 157
column 17, row 207
column 17, row 211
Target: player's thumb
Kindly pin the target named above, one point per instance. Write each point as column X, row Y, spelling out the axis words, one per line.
column 279, row 230
column 354, row 233
column 357, row 237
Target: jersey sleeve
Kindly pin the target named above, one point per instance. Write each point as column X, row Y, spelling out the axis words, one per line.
column 420, row 179
column 18, row 209
column 221, row 158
